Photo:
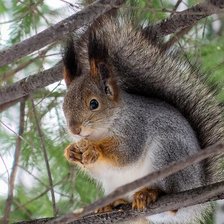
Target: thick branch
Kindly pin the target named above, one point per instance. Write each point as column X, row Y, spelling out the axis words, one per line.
column 147, row 180
column 27, row 85
column 186, row 18
column 153, row 177
column 177, row 21
column 58, row 31
column 165, row 203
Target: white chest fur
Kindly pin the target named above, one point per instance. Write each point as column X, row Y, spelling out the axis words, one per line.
column 113, row 177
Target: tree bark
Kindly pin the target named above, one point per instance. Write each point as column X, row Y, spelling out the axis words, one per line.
column 58, row 31
column 165, row 203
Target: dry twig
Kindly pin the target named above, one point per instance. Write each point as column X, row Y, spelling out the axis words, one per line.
column 12, row 177
column 27, row 85
column 42, row 142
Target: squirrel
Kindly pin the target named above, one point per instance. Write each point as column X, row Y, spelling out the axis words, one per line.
column 134, row 109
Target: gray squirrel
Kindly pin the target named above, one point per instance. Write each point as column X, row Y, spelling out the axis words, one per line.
column 135, row 109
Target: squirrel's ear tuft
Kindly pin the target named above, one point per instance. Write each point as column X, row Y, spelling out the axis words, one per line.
column 98, row 53
column 71, row 62
column 100, row 67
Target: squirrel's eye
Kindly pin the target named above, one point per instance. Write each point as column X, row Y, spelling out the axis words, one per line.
column 93, row 104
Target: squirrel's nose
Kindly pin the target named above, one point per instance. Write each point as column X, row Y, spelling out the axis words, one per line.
column 75, row 128
column 76, row 131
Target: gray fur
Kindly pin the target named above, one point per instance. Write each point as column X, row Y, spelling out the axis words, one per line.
column 162, row 102
column 147, row 120
column 144, row 68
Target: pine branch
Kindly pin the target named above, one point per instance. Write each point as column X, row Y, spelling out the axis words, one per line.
column 58, row 31
column 187, row 18
column 167, row 202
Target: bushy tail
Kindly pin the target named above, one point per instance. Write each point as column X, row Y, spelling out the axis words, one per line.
column 146, row 69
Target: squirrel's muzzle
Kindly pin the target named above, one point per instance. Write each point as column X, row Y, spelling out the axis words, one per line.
column 75, row 128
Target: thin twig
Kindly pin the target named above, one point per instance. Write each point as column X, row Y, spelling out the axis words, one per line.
column 6, row 169
column 7, row 75
column 12, row 177
column 48, row 188
column 42, row 183
column 26, row 212
column 42, row 142
column 145, row 181
column 176, row 37
column 176, row 6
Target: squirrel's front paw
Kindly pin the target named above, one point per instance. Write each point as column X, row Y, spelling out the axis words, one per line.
column 84, row 152
column 144, row 197
column 90, row 156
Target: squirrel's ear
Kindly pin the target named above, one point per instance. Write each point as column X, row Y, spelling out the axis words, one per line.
column 98, row 53
column 71, row 62
column 100, row 67
column 108, row 80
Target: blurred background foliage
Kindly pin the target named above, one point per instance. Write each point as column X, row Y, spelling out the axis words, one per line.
column 21, row 19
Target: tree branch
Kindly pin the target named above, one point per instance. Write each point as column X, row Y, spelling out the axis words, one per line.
column 186, row 18
column 167, row 202
column 176, row 37
column 148, row 180
column 27, row 85
column 12, row 177
column 58, row 31
column 176, row 22
column 42, row 142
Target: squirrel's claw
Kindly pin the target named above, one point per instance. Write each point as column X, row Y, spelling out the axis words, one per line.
column 84, row 152
column 72, row 154
column 82, row 145
column 144, row 197
column 113, row 205
column 90, row 156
